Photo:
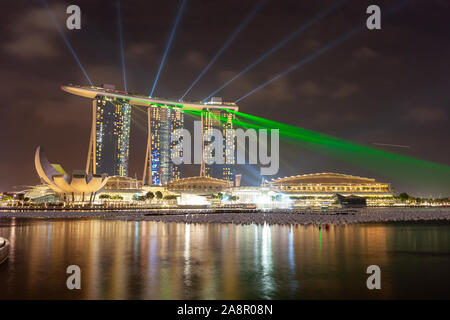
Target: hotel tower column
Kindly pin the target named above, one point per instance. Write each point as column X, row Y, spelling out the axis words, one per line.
column 147, row 178
column 202, row 166
column 91, row 158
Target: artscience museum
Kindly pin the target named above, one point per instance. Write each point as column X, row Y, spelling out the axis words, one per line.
column 78, row 186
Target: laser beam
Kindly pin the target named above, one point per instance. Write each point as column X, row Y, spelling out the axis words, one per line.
column 279, row 45
column 402, row 167
column 320, row 52
column 384, row 162
column 236, row 32
column 302, row 62
column 66, row 40
column 169, row 43
column 119, row 24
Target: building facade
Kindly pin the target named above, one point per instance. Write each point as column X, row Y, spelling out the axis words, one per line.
column 163, row 125
column 109, row 152
column 110, row 137
column 78, row 186
column 221, row 120
column 331, row 183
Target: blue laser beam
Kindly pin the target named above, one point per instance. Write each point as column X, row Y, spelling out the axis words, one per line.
column 320, row 52
column 236, row 32
column 119, row 24
column 66, row 40
column 172, row 34
column 280, row 44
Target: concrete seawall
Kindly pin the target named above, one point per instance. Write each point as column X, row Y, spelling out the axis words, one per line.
column 282, row 217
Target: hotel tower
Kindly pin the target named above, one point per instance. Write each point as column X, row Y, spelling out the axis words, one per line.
column 219, row 119
column 110, row 133
column 110, row 136
column 162, row 126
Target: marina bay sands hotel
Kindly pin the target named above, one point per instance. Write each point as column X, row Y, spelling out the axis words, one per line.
column 110, row 134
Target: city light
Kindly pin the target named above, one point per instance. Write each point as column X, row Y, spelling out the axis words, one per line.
column 179, row 200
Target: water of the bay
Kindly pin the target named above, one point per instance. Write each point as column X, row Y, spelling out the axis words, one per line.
column 155, row 260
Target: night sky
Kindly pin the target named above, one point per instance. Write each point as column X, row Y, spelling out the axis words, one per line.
column 385, row 86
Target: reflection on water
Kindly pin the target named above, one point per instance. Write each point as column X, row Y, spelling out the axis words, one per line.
column 151, row 260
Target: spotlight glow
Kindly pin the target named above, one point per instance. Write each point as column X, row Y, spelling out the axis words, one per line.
column 119, row 24
column 236, row 32
column 66, row 40
column 169, row 43
column 302, row 62
column 279, row 45
column 318, row 53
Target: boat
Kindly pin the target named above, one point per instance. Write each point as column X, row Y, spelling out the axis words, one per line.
column 4, row 250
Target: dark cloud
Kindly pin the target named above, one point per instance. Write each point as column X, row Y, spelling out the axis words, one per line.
column 426, row 115
column 281, row 90
column 345, row 90
column 195, row 59
column 310, row 89
column 365, row 53
column 32, row 34
column 328, row 118
column 143, row 51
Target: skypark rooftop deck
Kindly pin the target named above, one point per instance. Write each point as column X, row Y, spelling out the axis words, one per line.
column 92, row 92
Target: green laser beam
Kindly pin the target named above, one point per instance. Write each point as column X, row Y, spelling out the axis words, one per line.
column 384, row 162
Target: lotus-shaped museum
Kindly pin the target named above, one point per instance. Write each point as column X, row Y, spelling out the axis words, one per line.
column 78, row 184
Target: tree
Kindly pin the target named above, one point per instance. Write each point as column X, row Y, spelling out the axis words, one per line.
column 150, row 195
column 403, row 196
column 158, row 195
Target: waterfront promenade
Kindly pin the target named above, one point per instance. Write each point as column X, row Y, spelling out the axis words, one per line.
column 273, row 217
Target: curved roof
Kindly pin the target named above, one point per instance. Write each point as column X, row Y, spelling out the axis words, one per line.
column 123, row 183
column 199, row 183
column 323, row 178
